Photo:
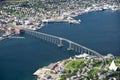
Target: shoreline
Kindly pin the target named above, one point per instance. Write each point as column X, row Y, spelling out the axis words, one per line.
column 42, row 68
column 70, row 19
column 55, row 70
column 78, row 13
column 73, row 16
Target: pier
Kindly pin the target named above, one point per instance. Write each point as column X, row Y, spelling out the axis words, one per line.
column 73, row 21
column 72, row 45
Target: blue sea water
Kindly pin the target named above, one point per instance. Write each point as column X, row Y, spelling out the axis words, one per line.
column 20, row 58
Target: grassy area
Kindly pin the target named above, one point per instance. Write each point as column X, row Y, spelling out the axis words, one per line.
column 117, row 57
column 117, row 61
column 62, row 77
column 92, row 73
column 98, row 64
column 73, row 66
column 108, row 61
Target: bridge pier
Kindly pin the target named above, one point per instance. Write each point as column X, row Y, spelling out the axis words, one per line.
column 51, row 40
column 48, row 39
column 81, row 51
column 42, row 37
column 92, row 53
column 70, row 46
column 89, row 52
column 86, row 51
column 55, row 41
column 60, row 43
column 76, row 49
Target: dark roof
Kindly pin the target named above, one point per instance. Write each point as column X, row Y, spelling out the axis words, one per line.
column 2, row 22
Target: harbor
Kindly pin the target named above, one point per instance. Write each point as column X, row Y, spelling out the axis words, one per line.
column 34, row 17
column 62, row 19
column 9, row 32
column 20, row 58
column 57, row 29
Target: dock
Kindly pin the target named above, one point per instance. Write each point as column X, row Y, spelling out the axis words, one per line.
column 17, row 37
column 73, row 21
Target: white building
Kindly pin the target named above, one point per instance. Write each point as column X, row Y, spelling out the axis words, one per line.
column 84, row 55
column 113, row 66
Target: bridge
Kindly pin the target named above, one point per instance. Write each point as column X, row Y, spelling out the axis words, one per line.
column 72, row 45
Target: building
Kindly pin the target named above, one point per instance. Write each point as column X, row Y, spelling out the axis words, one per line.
column 113, row 66
column 84, row 55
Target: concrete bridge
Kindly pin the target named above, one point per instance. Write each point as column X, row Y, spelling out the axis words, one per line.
column 72, row 45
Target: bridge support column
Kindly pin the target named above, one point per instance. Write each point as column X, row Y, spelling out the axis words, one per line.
column 78, row 49
column 60, row 43
column 70, row 47
column 52, row 40
column 55, row 41
column 92, row 53
column 89, row 53
column 81, row 51
column 86, row 51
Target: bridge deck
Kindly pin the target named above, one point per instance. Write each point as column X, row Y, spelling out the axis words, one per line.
column 72, row 45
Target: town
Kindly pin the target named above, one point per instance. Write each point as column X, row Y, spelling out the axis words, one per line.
column 7, row 32
column 16, row 16
column 81, row 67
column 35, row 14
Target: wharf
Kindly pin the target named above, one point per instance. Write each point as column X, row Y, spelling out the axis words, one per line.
column 62, row 20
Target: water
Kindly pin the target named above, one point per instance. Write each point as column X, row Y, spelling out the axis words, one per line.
column 99, row 31
column 19, row 58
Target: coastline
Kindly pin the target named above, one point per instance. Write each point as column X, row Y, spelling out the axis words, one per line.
column 70, row 17
column 44, row 68
column 56, row 71
column 63, row 22
column 70, row 20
